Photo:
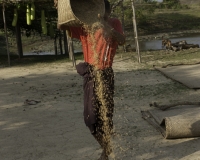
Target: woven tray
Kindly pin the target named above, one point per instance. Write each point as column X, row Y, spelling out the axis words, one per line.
column 79, row 12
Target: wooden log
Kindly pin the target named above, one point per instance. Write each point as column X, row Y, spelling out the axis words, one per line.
column 165, row 107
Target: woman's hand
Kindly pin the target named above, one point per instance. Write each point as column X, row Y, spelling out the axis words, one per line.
column 118, row 36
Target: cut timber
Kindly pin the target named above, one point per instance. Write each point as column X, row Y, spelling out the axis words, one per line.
column 165, row 107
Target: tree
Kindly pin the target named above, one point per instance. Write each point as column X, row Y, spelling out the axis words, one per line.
column 144, row 8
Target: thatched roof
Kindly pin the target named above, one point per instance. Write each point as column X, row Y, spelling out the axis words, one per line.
column 17, row 1
column 25, row 0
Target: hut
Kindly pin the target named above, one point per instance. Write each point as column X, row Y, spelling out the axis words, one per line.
column 8, row 7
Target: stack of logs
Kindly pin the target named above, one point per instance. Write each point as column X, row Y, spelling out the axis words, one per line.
column 177, row 46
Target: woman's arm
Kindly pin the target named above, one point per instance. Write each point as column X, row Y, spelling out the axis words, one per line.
column 63, row 27
column 73, row 32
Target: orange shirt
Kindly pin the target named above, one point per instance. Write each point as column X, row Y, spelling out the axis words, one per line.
column 105, row 49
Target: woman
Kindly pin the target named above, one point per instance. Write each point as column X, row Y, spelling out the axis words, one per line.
column 99, row 44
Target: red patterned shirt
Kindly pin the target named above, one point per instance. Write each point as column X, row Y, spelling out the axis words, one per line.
column 105, row 48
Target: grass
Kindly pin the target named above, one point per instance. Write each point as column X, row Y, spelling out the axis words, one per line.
column 170, row 20
column 159, row 58
column 185, row 56
column 148, row 58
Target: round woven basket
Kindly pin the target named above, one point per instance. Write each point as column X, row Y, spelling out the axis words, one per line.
column 79, row 12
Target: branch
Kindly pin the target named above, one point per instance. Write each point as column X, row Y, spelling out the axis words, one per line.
column 116, row 4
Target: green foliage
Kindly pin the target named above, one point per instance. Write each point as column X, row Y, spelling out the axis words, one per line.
column 172, row 4
column 145, row 10
column 142, row 11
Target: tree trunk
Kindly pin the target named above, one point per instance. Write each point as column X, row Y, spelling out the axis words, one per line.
column 5, row 28
column 135, row 33
column 122, row 20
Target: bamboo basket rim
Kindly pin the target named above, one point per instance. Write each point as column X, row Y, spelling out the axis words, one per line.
column 79, row 11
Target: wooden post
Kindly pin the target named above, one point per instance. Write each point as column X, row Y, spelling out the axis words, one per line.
column 55, row 43
column 135, row 33
column 71, row 50
column 60, row 42
column 122, row 14
column 19, row 40
column 73, row 58
column 66, row 43
column 5, row 28
column 122, row 20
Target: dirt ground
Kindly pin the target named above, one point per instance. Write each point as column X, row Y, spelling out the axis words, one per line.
column 54, row 129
